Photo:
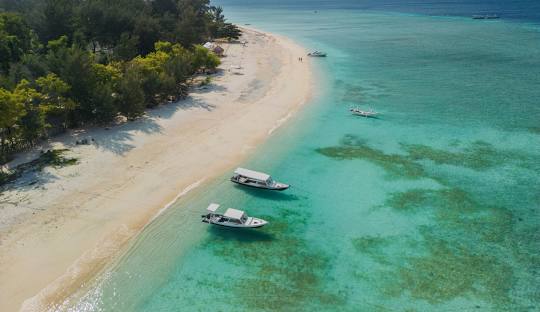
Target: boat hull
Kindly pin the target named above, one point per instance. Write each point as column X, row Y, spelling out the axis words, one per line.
column 367, row 116
column 260, row 186
column 234, row 226
column 484, row 17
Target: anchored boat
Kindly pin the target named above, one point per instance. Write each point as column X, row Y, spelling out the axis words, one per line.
column 363, row 113
column 317, row 54
column 231, row 218
column 487, row 16
column 257, row 179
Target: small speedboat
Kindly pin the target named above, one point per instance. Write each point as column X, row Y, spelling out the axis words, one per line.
column 231, row 218
column 257, row 179
column 317, row 54
column 363, row 113
column 487, row 16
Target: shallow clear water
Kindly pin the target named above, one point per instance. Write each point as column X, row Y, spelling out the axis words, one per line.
column 432, row 207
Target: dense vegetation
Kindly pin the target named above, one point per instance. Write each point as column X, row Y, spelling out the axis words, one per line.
column 67, row 63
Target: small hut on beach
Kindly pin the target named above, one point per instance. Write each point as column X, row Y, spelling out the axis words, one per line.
column 218, row 50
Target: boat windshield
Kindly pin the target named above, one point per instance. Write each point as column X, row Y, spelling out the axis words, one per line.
column 269, row 181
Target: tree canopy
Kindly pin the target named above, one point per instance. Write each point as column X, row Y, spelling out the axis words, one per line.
column 66, row 63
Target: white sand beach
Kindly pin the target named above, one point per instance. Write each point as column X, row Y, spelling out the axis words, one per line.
column 60, row 227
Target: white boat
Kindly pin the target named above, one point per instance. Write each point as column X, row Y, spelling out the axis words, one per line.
column 257, row 179
column 231, row 218
column 487, row 16
column 317, row 54
column 363, row 113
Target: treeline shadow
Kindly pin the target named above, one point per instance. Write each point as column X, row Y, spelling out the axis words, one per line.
column 208, row 88
column 118, row 139
column 27, row 180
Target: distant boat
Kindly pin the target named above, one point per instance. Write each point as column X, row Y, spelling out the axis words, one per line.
column 486, row 16
column 317, row 54
column 257, row 179
column 364, row 113
column 231, row 218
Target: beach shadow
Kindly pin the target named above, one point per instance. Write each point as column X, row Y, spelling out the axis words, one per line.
column 119, row 139
column 165, row 111
column 192, row 103
column 208, row 88
column 241, row 235
column 219, row 73
column 29, row 180
column 266, row 194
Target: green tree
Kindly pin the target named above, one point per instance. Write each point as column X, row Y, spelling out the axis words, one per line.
column 161, row 7
column 108, row 74
column 57, row 19
column 217, row 14
column 32, row 123
column 17, row 72
column 55, row 102
column 57, row 53
column 104, row 22
column 15, row 39
column 127, row 47
column 152, row 66
column 229, row 30
column 91, row 85
column 203, row 58
column 219, row 28
column 218, row 19
column 149, row 31
column 193, row 23
column 12, row 109
column 130, row 97
column 35, row 63
column 180, row 66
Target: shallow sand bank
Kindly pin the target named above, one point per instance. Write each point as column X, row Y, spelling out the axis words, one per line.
column 60, row 231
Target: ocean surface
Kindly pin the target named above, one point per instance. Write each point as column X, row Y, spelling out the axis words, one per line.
column 434, row 206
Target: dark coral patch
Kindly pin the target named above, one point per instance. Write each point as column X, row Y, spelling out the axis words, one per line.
column 285, row 271
column 354, row 148
column 477, row 155
column 408, row 200
column 456, row 209
column 451, row 270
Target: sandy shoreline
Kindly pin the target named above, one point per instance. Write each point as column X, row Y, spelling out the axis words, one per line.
column 58, row 232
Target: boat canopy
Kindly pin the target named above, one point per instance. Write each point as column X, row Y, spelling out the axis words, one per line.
column 234, row 213
column 252, row 174
column 213, row 207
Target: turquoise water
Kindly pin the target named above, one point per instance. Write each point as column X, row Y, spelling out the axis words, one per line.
column 432, row 207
